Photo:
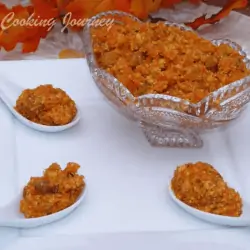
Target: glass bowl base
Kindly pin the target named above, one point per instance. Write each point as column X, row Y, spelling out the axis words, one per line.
column 171, row 135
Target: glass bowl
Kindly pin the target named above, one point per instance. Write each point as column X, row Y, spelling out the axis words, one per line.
column 166, row 120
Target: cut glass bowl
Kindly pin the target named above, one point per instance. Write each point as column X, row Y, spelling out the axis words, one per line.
column 166, row 120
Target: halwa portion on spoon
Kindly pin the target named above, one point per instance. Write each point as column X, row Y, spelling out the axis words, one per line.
column 200, row 186
column 46, row 105
column 56, row 190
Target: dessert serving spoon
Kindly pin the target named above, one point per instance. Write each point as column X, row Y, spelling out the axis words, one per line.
column 242, row 221
column 9, row 93
column 11, row 217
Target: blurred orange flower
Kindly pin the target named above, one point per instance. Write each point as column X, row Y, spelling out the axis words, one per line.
column 28, row 25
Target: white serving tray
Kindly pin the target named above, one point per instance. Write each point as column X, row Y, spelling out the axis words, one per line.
column 127, row 178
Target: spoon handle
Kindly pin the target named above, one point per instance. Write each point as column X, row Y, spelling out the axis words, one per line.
column 15, row 223
column 7, row 224
column 9, row 91
column 8, row 219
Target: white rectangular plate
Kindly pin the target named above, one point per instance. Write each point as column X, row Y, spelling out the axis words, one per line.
column 127, row 178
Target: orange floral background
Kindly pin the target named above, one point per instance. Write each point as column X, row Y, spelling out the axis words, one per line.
column 30, row 36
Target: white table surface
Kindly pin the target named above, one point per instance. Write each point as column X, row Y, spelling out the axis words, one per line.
column 193, row 240
column 127, row 178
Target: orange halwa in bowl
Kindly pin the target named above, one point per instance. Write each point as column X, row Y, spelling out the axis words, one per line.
column 168, row 78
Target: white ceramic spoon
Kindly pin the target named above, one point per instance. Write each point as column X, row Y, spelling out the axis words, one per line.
column 9, row 92
column 242, row 221
column 11, row 217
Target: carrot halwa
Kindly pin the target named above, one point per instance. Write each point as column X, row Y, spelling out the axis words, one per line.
column 154, row 58
column 46, row 105
column 56, row 190
column 200, row 186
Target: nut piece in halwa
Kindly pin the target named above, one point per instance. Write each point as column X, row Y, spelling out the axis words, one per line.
column 56, row 190
column 46, row 105
column 200, row 186
column 159, row 59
